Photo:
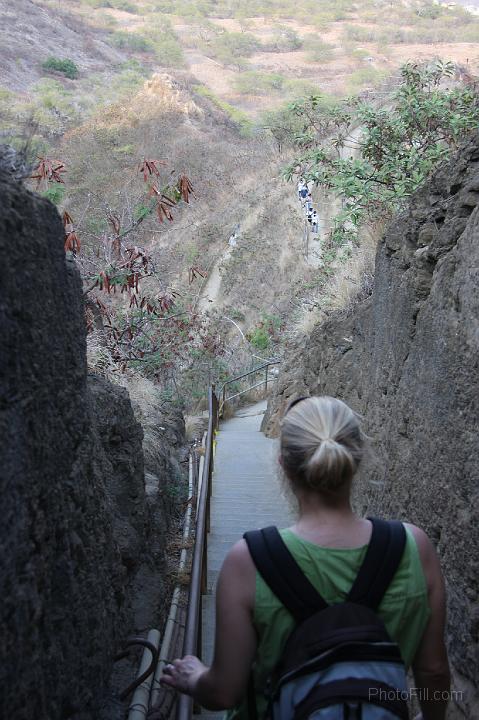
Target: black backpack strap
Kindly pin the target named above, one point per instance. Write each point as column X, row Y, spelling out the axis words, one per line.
column 282, row 574
column 382, row 559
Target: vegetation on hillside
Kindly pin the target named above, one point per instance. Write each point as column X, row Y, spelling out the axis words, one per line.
column 100, row 109
column 375, row 155
column 140, row 321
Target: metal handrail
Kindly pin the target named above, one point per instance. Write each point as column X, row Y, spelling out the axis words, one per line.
column 192, row 638
column 265, row 366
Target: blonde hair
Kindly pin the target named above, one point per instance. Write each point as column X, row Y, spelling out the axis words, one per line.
column 321, row 443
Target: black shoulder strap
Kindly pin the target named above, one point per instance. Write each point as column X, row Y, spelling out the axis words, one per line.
column 282, row 574
column 382, row 559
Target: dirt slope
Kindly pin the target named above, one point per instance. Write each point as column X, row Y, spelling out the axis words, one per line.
column 32, row 32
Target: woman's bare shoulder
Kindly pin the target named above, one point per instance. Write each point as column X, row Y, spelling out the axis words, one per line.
column 238, row 573
column 427, row 553
column 423, row 542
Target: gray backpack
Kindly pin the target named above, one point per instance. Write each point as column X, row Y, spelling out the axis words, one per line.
column 339, row 662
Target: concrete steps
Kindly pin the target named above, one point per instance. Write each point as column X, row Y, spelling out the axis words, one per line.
column 246, row 494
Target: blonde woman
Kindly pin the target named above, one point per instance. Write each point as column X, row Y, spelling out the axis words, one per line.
column 321, row 448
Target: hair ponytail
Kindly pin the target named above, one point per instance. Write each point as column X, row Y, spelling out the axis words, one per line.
column 321, row 443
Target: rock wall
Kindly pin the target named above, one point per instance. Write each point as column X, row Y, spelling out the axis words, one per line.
column 79, row 531
column 407, row 359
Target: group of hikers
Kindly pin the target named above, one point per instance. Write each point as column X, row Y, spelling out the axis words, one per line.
column 306, row 200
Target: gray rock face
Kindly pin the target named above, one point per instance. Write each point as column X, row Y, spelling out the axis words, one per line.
column 407, row 359
column 76, row 520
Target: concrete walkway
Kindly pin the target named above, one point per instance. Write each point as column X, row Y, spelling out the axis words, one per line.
column 246, row 494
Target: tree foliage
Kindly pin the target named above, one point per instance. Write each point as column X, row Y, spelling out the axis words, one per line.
column 375, row 155
column 64, row 66
column 141, row 319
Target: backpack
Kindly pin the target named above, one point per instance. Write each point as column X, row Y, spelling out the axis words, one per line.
column 339, row 662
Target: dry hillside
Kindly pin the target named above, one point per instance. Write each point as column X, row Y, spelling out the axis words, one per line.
column 187, row 83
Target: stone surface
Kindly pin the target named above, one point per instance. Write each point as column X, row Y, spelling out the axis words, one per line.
column 80, row 535
column 407, row 359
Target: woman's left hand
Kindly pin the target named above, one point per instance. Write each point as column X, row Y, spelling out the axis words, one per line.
column 183, row 675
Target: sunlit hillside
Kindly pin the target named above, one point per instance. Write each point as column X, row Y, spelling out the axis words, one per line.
column 205, row 88
column 253, row 55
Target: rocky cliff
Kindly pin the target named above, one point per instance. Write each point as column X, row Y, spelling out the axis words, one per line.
column 407, row 359
column 82, row 536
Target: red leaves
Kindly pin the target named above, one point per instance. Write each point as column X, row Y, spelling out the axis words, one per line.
column 104, row 281
column 194, row 272
column 114, row 222
column 149, row 167
column 126, row 274
column 164, row 205
column 163, row 209
column 141, row 324
column 72, row 241
column 48, row 171
column 167, row 301
column 135, row 254
column 185, row 187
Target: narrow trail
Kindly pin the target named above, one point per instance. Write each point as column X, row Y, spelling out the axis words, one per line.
column 246, row 494
column 327, row 207
column 212, row 287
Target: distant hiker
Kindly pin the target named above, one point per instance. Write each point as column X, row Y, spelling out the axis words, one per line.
column 233, row 239
column 315, row 222
column 309, row 217
column 303, row 193
column 309, row 203
column 300, row 188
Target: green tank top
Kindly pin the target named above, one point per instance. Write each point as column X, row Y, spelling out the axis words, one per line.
column 404, row 608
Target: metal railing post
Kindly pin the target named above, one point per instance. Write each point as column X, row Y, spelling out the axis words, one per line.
column 199, row 566
column 225, row 398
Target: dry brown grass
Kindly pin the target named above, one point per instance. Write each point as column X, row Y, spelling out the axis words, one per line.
column 195, row 425
column 344, row 285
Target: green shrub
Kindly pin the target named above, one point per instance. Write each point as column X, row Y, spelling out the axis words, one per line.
column 365, row 77
column 235, row 314
column 259, row 338
column 55, row 194
column 129, row 76
column 429, row 11
column 361, row 34
column 167, row 6
column 298, row 88
column 238, row 117
column 98, row 3
column 236, row 44
column 131, row 41
column 253, row 82
column 64, row 66
column 284, row 40
column 115, row 4
column 470, row 33
column 262, row 335
column 125, row 6
column 168, row 50
column 317, row 50
column 360, row 54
